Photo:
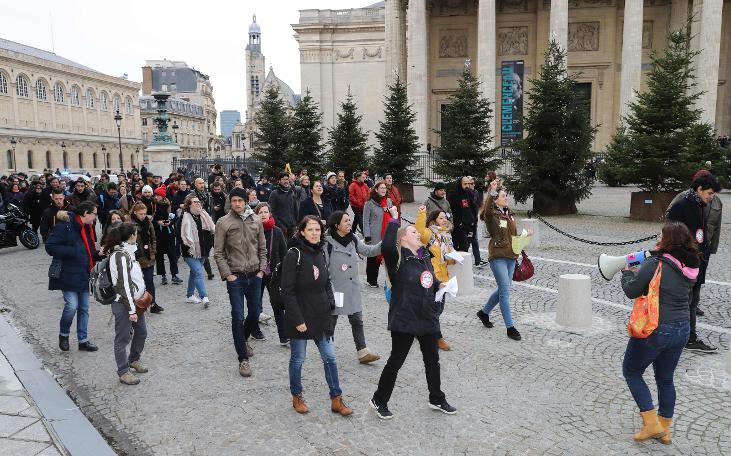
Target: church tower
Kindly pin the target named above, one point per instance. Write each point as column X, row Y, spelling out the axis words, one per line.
column 255, row 68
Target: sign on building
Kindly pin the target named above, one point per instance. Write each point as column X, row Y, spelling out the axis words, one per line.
column 511, row 96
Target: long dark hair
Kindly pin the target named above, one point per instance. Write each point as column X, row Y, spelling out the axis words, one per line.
column 433, row 216
column 675, row 235
column 334, row 220
column 117, row 234
column 303, row 224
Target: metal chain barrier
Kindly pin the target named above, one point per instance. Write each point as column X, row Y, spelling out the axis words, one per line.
column 586, row 241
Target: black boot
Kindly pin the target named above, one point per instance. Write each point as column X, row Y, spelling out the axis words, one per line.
column 88, row 346
column 513, row 333
column 156, row 308
column 63, row 343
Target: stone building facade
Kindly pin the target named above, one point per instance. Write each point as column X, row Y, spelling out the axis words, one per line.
column 190, row 118
column 427, row 42
column 61, row 114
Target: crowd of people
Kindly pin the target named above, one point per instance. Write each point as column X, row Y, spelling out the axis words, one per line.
column 298, row 240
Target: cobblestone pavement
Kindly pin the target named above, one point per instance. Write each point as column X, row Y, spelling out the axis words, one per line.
column 559, row 391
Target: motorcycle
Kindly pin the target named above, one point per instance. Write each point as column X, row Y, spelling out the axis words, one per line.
column 14, row 223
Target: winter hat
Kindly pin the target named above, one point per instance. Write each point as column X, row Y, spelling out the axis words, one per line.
column 440, row 186
column 146, row 189
column 330, row 174
column 240, row 192
column 161, row 191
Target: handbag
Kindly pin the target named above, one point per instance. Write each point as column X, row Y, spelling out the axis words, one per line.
column 54, row 270
column 143, row 303
column 646, row 311
column 523, row 269
column 268, row 268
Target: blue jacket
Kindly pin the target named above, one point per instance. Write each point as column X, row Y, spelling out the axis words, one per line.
column 65, row 243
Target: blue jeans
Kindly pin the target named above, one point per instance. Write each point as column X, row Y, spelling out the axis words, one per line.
column 502, row 269
column 148, row 274
column 75, row 303
column 248, row 288
column 196, row 278
column 662, row 349
column 475, row 243
column 298, row 348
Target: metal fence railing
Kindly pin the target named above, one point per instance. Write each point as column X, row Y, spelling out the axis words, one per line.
column 425, row 166
column 200, row 167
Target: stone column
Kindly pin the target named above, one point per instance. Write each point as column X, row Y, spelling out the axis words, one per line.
column 631, row 54
column 394, row 40
column 417, row 54
column 486, row 51
column 707, row 62
column 560, row 22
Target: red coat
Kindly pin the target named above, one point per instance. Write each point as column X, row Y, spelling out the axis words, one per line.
column 395, row 196
column 358, row 194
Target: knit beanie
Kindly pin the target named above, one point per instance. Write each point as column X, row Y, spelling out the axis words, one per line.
column 240, row 192
column 146, row 189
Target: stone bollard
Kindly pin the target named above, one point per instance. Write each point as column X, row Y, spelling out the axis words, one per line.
column 728, row 362
column 574, row 300
column 535, row 225
column 464, row 274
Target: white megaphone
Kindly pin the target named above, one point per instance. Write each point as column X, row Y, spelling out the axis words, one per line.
column 611, row 265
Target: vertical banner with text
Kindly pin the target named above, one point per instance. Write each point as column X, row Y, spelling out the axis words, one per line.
column 511, row 96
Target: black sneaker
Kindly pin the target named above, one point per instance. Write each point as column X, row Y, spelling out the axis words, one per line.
column 484, row 318
column 210, row 276
column 443, row 407
column 699, row 346
column 513, row 333
column 63, row 343
column 373, row 284
column 156, row 308
column 176, row 280
column 88, row 346
column 164, row 280
column 259, row 336
column 283, row 341
column 699, row 312
column 381, row 410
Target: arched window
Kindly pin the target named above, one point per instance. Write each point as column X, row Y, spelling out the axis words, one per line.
column 30, row 159
column 109, row 160
column 131, row 159
column 81, row 160
column 128, row 105
column 93, row 160
column 89, row 98
column 21, row 86
column 65, row 160
column 116, row 103
column 48, row 159
column 103, row 101
column 75, row 100
column 41, row 92
column 3, row 83
column 58, row 93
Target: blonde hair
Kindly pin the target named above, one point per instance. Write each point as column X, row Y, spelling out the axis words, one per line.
column 399, row 235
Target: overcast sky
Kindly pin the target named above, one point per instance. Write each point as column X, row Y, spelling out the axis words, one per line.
column 116, row 37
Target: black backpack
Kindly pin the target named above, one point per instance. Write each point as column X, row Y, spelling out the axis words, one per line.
column 275, row 283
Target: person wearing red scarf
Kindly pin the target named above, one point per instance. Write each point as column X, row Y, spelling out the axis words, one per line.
column 376, row 217
column 72, row 243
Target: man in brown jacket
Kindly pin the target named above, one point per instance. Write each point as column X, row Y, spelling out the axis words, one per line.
column 241, row 257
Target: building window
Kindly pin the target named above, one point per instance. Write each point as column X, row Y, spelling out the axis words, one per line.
column 93, row 160
column 121, row 161
column 131, row 159
column 30, row 159
column 128, row 105
column 81, row 160
column 144, row 138
column 21, row 86
column 89, row 98
column 75, row 96
column 9, row 157
column 103, row 101
column 116, row 102
column 58, row 93
column 48, row 159
column 41, row 92
column 144, row 122
column 3, row 84
column 109, row 160
column 65, row 160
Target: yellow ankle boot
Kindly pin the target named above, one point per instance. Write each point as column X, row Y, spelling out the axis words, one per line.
column 651, row 427
column 666, row 424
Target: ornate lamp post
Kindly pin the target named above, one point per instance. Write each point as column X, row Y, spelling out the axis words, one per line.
column 13, row 143
column 118, row 120
column 104, row 154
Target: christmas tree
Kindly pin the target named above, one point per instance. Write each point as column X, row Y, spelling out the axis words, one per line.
column 665, row 141
column 306, row 139
column 272, row 138
column 398, row 143
column 550, row 161
column 348, row 142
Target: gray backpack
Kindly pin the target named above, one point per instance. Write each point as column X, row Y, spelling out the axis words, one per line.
column 100, row 281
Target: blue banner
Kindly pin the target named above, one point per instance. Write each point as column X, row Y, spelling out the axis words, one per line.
column 511, row 96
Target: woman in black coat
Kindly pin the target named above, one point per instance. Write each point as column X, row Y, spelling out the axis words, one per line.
column 413, row 313
column 316, row 205
column 308, row 300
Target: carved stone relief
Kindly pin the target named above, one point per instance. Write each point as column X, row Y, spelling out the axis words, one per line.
column 647, row 35
column 583, row 36
column 452, row 7
column 453, row 43
column 582, row 3
column 512, row 41
column 340, row 55
column 508, row 6
column 374, row 54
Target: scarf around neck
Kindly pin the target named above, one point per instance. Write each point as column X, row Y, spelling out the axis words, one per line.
column 342, row 240
column 85, row 240
column 269, row 223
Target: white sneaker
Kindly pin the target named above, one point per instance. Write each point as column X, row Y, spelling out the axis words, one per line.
column 264, row 318
column 193, row 299
column 205, row 302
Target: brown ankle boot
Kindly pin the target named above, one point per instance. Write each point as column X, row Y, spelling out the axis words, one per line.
column 650, row 427
column 338, row 406
column 666, row 424
column 443, row 345
column 298, row 402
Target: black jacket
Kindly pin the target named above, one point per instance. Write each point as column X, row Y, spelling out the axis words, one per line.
column 464, row 208
column 275, row 255
column 284, row 206
column 178, row 199
column 338, row 197
column 48, row 221
column 692, row 215
column 412, row 309
column 218, row 200
column 308, row 207
column 33, row 205
column 307, row 292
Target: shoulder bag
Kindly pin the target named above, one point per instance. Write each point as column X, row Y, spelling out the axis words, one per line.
column 523, row 269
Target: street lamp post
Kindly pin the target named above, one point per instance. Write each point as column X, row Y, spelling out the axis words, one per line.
column 118, row 120
column 104, row 154
column 13, row 143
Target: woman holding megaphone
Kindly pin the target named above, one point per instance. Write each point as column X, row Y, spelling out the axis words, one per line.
column 676, row 261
